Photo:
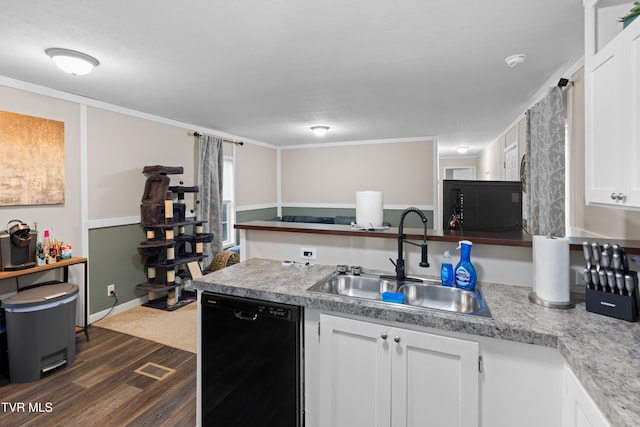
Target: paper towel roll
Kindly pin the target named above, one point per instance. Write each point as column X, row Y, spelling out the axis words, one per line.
column 369, row 207
column 551, row 269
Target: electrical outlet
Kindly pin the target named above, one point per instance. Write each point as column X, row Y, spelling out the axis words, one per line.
column 580, row 278
column 111, row 289
column 308, row 253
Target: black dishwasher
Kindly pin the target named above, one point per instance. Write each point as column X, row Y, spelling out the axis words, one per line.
column 251, row 363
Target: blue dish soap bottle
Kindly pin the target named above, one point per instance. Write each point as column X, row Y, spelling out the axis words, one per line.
column 446, row 271
column 465, row 273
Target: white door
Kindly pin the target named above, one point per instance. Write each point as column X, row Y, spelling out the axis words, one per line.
column 579, row 408
column 632, row 156
column 355, row 383
column 373, row 376
column 435, row 380
column 606, row 124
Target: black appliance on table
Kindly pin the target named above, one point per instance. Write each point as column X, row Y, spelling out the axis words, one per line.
column 17, row 246
column 251, row 363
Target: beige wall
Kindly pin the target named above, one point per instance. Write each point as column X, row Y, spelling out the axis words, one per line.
column 64, row 219
column 256, row 175
column 331, row 175
column 119, row 146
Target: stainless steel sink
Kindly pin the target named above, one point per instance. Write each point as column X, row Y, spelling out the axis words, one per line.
column 444, row 298
column 419, row 292
column 358, row 286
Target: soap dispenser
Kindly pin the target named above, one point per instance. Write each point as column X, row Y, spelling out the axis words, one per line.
column 446, row 271
column 465, row 273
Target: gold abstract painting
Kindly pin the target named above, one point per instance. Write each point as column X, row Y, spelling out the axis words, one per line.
column 31, row 160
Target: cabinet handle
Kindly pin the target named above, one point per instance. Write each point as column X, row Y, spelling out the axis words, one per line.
column 620, row 197
column 397, row 339
column 384, row 336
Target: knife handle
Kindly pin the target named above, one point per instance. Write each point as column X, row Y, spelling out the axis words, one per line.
column 586, row 275
column 620, row 281
column 611, row 281
column 625, row 260
column 606, row 261
column 594, row 278
column 595, row 253
column 630, row 284
column 603, row 279
column 616, row 262
column 586, row 249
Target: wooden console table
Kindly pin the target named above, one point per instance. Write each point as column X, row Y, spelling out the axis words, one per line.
column 64, row 264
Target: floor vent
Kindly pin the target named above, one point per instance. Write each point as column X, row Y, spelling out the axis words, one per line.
column 155, row 371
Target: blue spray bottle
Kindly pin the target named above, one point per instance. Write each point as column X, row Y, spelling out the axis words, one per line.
column 465, row 273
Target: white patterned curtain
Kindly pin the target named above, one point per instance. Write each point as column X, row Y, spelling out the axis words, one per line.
column 546, row 166
column 209, row 208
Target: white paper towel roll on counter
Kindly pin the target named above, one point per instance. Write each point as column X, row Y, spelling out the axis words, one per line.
column 369, row 208
column 551, row 278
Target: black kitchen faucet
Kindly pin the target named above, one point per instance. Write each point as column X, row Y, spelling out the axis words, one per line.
column 399, row 264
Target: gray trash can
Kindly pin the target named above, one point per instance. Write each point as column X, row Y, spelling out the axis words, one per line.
column 40, row 330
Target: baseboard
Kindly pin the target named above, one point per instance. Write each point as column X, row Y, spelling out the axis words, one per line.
column 118, row 309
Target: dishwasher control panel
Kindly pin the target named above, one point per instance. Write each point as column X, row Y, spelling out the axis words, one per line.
column 248, row 308
column 278, row 312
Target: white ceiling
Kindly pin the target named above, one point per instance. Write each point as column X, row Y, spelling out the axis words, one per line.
column 267, row 70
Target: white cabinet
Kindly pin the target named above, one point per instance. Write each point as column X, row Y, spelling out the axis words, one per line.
column 612, row 71
column 376, row 375
column 579, row 408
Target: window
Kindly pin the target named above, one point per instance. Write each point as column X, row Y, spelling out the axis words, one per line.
column 228, row 209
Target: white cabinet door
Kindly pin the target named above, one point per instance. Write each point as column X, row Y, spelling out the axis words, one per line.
column 355, row 383
column 612, row 117
column 633, row 153
column 579, row 408
column 605, row 130
column 374, row 375
column 434, row 380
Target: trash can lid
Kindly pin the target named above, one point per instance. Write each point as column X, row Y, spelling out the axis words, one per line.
column 41, row 295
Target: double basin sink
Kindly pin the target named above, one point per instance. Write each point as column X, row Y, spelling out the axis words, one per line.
column 418, row 292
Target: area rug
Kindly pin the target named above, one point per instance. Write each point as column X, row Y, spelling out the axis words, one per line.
column 176, row 329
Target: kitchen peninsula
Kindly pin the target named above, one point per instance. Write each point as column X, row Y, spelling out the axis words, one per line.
column 517, row 239
column 597, row 349
column 498, row 257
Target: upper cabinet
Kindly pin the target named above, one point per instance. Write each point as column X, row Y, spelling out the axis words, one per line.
column 612, row 74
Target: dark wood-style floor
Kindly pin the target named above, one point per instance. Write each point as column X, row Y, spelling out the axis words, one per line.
column 101, row 388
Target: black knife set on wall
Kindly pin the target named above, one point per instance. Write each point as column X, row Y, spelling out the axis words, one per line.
column 611, row 288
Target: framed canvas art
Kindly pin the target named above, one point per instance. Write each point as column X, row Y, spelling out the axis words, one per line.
column 31, row 160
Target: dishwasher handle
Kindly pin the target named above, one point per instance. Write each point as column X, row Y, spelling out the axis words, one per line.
column 243, row 315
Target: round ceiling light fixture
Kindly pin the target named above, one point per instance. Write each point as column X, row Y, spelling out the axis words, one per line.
column 462, row 150
column 320, row 130
column 71, row 61
column 516, row 59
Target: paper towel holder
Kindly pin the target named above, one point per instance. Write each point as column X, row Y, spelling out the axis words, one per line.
column 550, row 304
column 534, row 298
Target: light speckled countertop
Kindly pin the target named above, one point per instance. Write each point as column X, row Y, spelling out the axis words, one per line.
column 601, row 351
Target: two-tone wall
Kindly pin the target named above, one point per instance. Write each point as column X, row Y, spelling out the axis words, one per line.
column 323, row 180
column 106, row 148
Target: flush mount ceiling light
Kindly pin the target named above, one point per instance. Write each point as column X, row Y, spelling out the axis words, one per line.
column 320, row 130
column 462, row 150
column 516, row 59
column 71, row 61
